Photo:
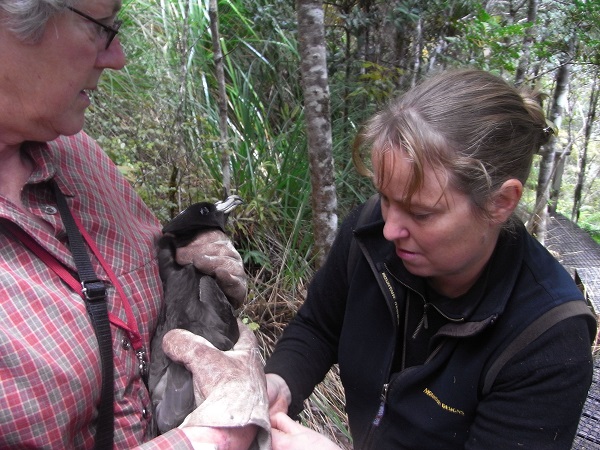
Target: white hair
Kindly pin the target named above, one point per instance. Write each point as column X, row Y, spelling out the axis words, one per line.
column 27, row 18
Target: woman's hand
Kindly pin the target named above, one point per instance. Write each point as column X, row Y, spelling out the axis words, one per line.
column 289, row 435
column 278, row 393
column 207, row 438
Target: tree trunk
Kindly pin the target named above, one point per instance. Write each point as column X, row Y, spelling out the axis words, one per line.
column 589, row 123
column 173, row 190
column 537, row 223
column 213, row 14
column 528, row 40
column 560, row 160
column 417, row 51
column 315, row 85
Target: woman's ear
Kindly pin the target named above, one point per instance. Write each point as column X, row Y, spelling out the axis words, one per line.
column 505, row 200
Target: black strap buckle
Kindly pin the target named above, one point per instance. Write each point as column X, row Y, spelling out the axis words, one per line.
column 93, row 290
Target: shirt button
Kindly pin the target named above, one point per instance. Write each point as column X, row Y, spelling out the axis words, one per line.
column 48, row 209
column 125, row 344
column 145, row 413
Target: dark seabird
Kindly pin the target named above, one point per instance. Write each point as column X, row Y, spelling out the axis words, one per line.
column 192, row 301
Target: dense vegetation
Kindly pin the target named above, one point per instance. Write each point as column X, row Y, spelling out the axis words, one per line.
column 159, row 120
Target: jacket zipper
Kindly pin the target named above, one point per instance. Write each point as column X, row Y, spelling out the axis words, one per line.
column 381, row 409
column 378, row 417
column 384, row 390
column 423, row 323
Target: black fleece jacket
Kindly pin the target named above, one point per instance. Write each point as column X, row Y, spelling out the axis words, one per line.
column 415, row 365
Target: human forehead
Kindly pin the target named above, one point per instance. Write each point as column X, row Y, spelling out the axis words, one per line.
column 395, row 177
column 113, row 6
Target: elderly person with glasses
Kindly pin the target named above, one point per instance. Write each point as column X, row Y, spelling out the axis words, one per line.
column 53, row 383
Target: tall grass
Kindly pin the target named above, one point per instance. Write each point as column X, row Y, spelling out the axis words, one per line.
column 158, row 120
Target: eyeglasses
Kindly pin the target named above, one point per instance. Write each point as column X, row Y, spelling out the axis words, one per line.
column 110, row 32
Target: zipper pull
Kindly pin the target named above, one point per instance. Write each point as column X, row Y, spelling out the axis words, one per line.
column 384, row 392
column 381, row 410
column 423, row 323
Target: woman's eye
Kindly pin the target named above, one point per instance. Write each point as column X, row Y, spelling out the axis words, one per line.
column 102, row 31
column 421, row 216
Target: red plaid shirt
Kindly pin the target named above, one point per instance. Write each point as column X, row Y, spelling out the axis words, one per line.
column 50, row 376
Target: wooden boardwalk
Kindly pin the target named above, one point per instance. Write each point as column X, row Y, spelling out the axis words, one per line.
column 588, row 433
column 580, row 254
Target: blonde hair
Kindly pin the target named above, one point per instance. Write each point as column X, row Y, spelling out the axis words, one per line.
column 471, row 124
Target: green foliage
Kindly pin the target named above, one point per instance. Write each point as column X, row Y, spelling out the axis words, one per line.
column 590, row 222
column 158, row 118
column 250, row 324
column 488, row 41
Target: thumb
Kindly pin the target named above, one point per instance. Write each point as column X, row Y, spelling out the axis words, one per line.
column 247, row 339
column 282, row 422
column 183, row 346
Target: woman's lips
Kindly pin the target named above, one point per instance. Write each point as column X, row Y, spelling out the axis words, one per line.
column 85, row 94
column 405, row 254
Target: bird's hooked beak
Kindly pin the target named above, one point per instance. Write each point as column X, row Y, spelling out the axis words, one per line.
column 229, row 204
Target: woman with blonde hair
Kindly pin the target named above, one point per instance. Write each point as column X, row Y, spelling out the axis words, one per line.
column 453, row 327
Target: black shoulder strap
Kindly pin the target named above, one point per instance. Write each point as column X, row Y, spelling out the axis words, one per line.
column 94, row 292
column 531, row 333
column 365, row 214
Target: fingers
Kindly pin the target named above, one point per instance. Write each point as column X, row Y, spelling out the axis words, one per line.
column 229, row 273
column 291, row 435
column 231, row 437
column 210, row 258
column 232, row 282
column 283, row 423
column 185, row 347
column 182, row 345
column 272, row 390
column 278, row 393
column 213, row 243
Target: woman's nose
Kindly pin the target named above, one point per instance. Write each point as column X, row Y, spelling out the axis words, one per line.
column 113, row 57
column 395, row 226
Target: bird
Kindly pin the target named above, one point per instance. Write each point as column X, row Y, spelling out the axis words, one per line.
column 192, row 301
